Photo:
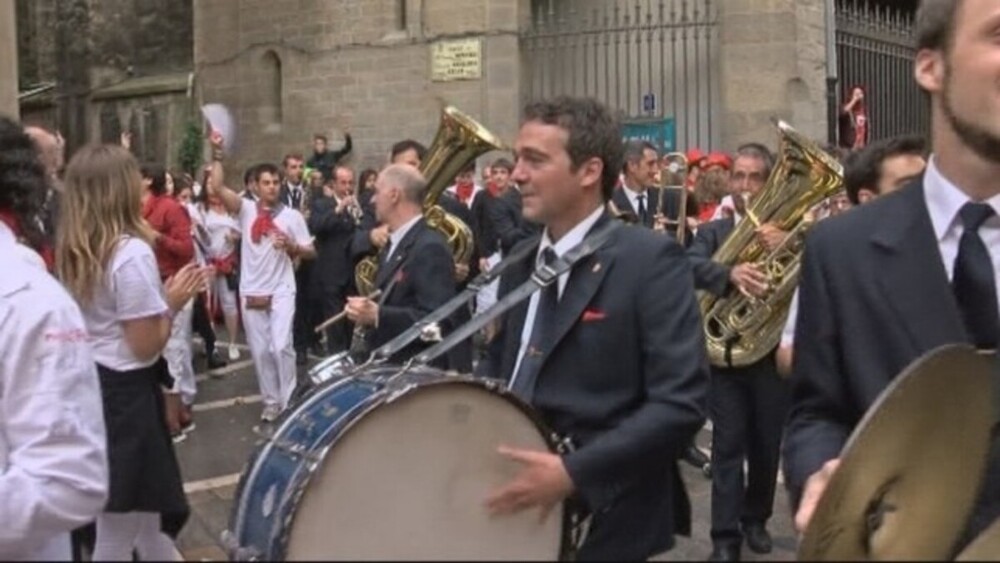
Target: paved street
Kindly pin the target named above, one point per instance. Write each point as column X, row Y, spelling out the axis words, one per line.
column 227, row 415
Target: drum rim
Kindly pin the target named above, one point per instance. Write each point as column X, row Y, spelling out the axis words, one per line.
column 389, row 392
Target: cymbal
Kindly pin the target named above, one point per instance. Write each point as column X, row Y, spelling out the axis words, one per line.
column 986, row 547
column 911, row 470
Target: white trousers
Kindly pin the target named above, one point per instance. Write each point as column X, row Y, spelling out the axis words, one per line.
column 487, row 296
column 227, row 297
column 119, row 533
column 178, row 355
column 269, row 335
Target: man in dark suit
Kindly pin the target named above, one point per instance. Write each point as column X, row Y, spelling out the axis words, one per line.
column 333, row 225
column 625, row 382
column 639, row 199
column 887, row 282
column 747, row 404
column 415, row 270
column 294, row 193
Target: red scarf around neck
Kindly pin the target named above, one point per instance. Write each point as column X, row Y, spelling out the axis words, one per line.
column 464, row 191
column 264, row 224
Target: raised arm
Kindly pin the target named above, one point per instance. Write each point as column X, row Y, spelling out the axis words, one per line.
column 216, row 184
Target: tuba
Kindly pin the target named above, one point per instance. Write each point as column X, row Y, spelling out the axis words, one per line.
column 740, row 330
column 459, row 140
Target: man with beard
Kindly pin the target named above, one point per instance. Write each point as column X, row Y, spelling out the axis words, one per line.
column 910, row 272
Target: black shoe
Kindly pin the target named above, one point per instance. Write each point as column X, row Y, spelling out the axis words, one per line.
column 758, row 540
column 725, row 552
column 301, row 358
column 215, row 362
column 694, row 457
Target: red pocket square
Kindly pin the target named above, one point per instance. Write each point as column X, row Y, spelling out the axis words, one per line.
column 591, row 315
column 400, row 276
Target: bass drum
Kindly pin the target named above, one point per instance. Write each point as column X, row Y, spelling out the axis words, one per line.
column 390, row 466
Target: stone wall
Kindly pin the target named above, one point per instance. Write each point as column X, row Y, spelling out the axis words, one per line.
column 289, row 69
column 8, row 60
column 773, row 65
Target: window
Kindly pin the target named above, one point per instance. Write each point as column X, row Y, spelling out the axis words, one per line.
column 401, row 15
column 271, row 111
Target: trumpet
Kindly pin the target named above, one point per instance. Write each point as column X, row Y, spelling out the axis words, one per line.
column 672, row 178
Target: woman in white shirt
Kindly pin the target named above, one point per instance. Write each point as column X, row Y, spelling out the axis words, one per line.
column 105, row 260
column 218, row 235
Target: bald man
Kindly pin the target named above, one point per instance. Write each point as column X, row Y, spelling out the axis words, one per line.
column 415, row 266
column 51, row 151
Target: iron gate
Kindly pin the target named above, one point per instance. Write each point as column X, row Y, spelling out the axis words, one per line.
column 875, row 50
column 654, row 61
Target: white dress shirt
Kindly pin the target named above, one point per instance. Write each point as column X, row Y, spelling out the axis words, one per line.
column 396, row 236
column 53, row 457
column 633, row 199
column 574, row 237
column 944, row 201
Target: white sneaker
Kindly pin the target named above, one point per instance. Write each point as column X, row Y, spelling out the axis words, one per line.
column 234, row 353
column 270, row 414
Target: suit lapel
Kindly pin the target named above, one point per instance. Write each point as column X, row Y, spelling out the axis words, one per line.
column 584, row 281
column 386, row 271
column 914, row 281
column 622, row 202
column 519, row 274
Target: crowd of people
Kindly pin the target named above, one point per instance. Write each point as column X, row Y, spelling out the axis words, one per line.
column 114, row 265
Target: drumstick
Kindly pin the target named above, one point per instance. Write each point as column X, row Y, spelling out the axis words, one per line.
column 341, row 315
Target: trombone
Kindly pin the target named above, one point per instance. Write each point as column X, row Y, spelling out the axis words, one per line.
column 672, row 178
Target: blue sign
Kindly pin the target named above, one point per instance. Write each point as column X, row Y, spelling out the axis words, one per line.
column 649, row 103
column 660, row 132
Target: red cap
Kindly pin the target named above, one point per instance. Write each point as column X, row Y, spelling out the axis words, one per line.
column 694, row 156
column 717, row 159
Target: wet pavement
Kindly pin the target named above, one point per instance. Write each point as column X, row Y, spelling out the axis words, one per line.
column 227, row 415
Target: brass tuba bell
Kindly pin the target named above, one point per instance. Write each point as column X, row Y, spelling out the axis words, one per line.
column 459, row 140
column 739, row 329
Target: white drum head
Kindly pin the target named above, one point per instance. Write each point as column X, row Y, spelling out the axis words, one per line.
column 410, row 481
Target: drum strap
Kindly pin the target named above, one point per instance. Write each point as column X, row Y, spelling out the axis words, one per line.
column 543, row 276
column 484, row 279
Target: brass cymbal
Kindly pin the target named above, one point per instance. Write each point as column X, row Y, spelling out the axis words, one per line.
column 910, row 471
column 986, row 547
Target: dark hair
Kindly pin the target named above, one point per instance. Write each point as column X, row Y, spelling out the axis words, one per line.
column 635, row 149
column 406, row 145
column 318, row 137
column 594, row 132
column 157, row 175
column 863, row 169
column 503, row 163
column 291, row 156
column 363, row 178
column 935, row 24
column 266, row 167
column 23, row 179
column 758, row 151
column 250, row 175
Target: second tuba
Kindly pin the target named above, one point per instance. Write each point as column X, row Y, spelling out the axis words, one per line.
column 739, row 329
column 459, row 140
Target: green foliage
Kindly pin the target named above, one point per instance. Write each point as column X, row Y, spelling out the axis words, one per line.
column 192, row 145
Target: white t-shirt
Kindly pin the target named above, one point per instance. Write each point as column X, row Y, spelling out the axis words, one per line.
column 265, row 270
column 218, row 225
column 197, row 228
column 131, row 290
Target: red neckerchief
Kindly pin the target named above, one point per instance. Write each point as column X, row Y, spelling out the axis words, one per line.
column 46, row 251
column 707, row 210
column 464, row 191
column 264, row 224
column 493, row 188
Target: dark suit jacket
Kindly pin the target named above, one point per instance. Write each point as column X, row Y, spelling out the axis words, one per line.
column 671, row 207
column 285, row 196
column 333, row 269
column 626, row 379
column 708, row 275
column 487, row 241
column 509, row 222
column 874, row 296
column 417, row 279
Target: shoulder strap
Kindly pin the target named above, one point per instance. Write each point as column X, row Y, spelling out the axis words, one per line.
column 543, row 276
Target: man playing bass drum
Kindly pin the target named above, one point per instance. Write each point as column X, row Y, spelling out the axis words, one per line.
column 624, row 378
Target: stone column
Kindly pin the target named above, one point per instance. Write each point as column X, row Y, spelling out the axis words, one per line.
column 773, row 60
column 8, row 60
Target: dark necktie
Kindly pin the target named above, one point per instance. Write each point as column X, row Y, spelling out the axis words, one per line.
column 974, row 280
column 643, row 216
column 384, row 254
column 541, row 336
column 296, row 197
